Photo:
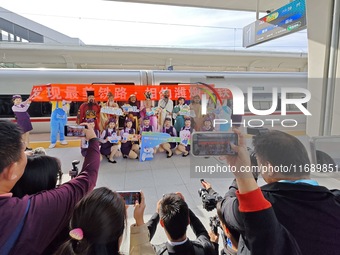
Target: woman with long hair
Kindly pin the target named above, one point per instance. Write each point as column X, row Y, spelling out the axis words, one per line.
column 97, row 225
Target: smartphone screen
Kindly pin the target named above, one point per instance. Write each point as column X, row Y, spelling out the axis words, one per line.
column 205, row 144
column 74, row 130
column 130, row 197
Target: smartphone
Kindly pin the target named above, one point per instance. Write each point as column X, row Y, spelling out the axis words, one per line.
column 74, row 130
column 205, row 144
column 130, row 197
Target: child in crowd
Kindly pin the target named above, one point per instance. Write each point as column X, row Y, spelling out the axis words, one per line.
column 129, row 148
column 184, row 146
column 84, row 144
column 169, row 129
column 179, row 119
column 23, row 118
column 109, row 140
column 97, row 224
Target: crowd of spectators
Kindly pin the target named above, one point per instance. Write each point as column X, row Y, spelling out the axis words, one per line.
column 291, row 214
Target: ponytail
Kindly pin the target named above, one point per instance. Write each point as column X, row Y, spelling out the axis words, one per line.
column 73, row 247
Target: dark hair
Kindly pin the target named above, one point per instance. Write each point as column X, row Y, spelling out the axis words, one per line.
column 235, row 235
column 282, row 149
column 174, row 212
column 11, row 143
column 101, row 215
column 41, row 173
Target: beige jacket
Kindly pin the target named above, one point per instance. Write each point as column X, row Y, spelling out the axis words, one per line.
column 140, row 241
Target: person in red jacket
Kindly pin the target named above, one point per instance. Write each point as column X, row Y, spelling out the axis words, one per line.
column 293, row 216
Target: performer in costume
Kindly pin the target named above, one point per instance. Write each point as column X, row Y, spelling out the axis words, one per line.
column 58, row 121
column 23, row 118
column 89, row 110
column 133, row 115
column 169, row 129
column 129, row 148
column 184, row 146
column 108, row 147
column 150, row 111
column 222, row 111
column 196, row 106
column 179, row 119
column 166, row 106
column 104, row 117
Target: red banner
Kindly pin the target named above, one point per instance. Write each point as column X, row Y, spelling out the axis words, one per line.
column 77, row 92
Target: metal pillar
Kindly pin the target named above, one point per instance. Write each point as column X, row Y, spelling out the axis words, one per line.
column 333, row 60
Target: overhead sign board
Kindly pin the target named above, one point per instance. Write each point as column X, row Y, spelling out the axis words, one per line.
column 283, row 21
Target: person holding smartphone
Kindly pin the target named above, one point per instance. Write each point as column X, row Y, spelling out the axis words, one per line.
column 139, row 232
column 26, row 225
column 280, row 217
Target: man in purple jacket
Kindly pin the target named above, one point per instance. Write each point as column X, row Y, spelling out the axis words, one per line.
column 28, row 225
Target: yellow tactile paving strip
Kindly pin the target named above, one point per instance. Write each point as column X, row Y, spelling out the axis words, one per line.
column 45, row 144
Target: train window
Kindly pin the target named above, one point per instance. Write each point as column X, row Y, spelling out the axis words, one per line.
column 261, row 101
column 265, row 105
column 6, row 106
column 293, row 107
column 36, row 109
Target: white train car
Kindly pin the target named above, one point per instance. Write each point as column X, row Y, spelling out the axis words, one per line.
column 262, row 84
column 20, row 81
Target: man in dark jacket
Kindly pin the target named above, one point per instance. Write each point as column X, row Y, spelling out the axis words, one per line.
column 309, row 212
column 174, row 216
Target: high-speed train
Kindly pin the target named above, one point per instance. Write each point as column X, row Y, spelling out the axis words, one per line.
column 20, row 81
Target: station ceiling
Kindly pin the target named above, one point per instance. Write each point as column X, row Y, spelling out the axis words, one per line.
column 242, row 5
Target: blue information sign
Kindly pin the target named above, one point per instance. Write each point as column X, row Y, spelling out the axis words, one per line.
column 286, row 20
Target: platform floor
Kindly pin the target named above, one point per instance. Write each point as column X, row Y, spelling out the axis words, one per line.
column 155, row 178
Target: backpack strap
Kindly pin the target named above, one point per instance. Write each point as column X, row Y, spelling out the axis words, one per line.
column 7, row 247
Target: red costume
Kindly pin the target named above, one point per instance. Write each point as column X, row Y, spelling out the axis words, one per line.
column 89, row 110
